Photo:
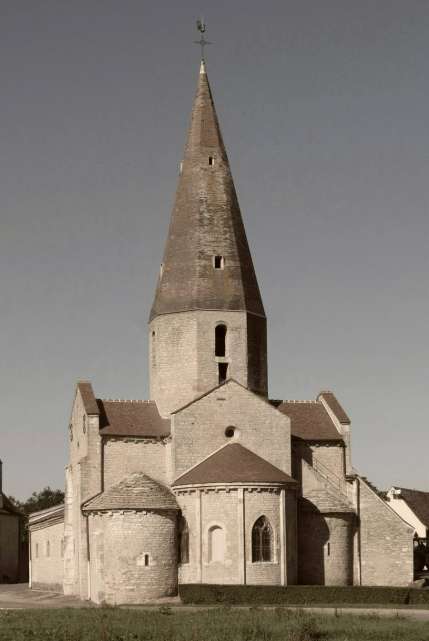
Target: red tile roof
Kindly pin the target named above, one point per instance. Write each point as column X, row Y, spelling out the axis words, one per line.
column 310, row 421
column 132, row 418
column 135, row 492
column 233, row 464
column 88, row 398
column 335, row 407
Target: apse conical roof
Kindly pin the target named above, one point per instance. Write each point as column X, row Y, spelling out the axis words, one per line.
column 206, row 222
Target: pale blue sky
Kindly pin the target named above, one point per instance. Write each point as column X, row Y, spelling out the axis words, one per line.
column 324, row 111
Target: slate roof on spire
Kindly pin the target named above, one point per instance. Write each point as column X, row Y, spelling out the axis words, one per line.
column 206, row 222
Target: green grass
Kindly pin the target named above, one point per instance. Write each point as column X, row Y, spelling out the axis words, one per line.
column 215, row 624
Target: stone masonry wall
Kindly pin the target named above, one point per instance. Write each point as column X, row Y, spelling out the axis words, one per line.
column 182, row 357
column 9, row 547
column 125, row 456
column 120, row 542
column 257, row 354
column 199, row 429
column 85, row 471
column 291, row 537
column 325, row 550
column 330, row 456
column 47, row 560
column 235, row 510
column 386, row 545
column 173, row 368
column 190, row 505
column 263, row 503
column 220, row 509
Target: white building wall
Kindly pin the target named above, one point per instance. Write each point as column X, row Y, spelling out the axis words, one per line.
column 47, row 557
column 405, row 512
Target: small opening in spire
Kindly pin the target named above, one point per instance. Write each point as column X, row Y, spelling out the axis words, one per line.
column 146, row 559
column 218, row 262
column 211, row 161
column 223, row 370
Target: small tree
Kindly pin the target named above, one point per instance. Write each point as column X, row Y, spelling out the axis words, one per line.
column 42, row 500
column 37, row 501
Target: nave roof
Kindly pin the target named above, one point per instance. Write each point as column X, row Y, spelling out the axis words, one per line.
column 124, row 417
column 311, row 421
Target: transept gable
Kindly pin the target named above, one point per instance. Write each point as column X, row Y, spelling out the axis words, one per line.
column 229, row 413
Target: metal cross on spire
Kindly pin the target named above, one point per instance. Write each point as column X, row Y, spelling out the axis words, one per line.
column 201, row 26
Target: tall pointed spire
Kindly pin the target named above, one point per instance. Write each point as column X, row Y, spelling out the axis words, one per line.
column 207, row 262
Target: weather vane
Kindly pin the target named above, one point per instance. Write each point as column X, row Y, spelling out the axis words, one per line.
column 201, row 26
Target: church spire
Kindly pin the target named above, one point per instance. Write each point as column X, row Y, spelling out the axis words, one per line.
column 207, row 263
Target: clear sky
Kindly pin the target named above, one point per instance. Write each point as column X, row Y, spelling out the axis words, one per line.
column 324, row 111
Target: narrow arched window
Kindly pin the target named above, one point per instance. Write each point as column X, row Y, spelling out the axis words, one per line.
column 216, row 544
column 220, row 340
column 262, row 541
column 183, row 541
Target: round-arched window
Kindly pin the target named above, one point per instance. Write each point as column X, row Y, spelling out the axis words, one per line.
column 262, row 541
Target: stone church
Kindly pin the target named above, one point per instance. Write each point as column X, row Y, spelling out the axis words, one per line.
column 211, row 480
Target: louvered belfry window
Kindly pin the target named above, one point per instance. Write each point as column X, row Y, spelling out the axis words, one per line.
column 262, row 541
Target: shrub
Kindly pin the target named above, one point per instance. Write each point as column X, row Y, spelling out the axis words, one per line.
column 301, row 595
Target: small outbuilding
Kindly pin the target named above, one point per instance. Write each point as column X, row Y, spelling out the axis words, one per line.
column 413, row 507
column 10, row 538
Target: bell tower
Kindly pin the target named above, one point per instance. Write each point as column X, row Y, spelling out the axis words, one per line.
column 207, row 322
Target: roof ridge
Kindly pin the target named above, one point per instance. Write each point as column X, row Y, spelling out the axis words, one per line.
column 301, row 401
column 410, row 489
column 125, row 400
